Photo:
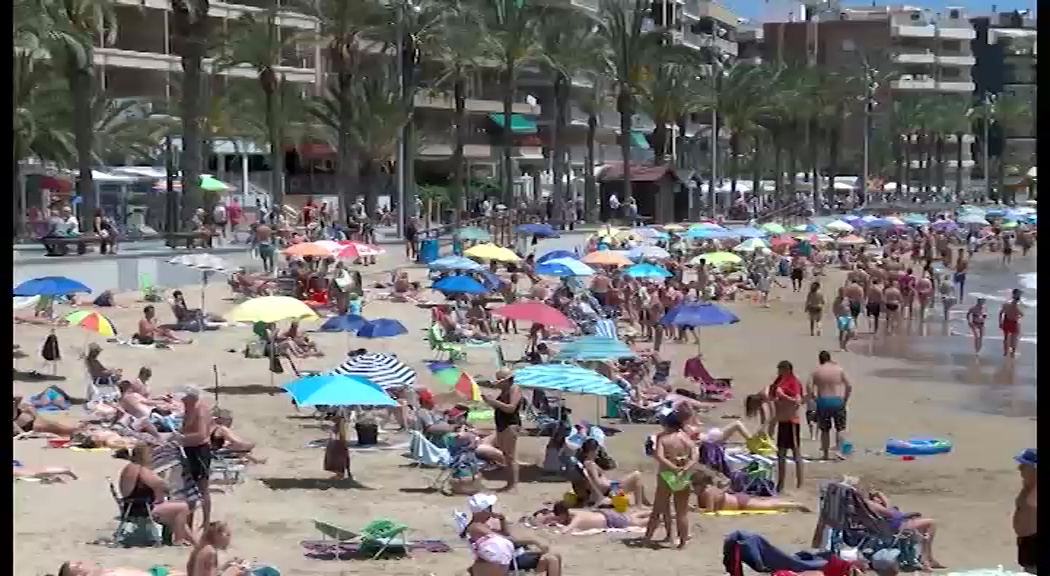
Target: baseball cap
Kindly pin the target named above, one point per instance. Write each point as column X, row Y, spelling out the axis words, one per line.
column 481, row 502
column 1027, row 457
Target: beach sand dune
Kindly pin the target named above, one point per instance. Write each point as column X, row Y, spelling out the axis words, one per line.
column 970, row 491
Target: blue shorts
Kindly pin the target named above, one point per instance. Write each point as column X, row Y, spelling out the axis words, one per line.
column 845, row 323
column 830, row 402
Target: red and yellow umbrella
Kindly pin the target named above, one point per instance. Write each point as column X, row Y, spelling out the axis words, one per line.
column 93, row 321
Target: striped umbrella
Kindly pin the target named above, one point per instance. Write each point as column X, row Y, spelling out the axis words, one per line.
column 93, row 321
column 386, row 371
column 593, row 348
column 566, row 378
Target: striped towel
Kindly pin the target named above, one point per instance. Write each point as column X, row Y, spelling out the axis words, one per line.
column 606, row 328
column 744, row 458
column 183, row 487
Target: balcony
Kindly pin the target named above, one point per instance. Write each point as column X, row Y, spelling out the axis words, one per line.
column 171, row 63
column 956, row 33
column 230, row 11
column 527, row 153
column 908, row 31
column 438, row 101
column 955, row 60
column 914, row 83
column 914, row 56
column 956, row 87
column 697, row 9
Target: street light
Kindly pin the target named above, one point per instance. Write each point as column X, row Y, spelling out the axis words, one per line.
column 988, row 112
column 871, row 86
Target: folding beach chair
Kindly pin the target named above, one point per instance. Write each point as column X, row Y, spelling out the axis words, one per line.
column 383, row 535
column 448, row 461
column 440, row 346
column 144, row 531
column 844, row 517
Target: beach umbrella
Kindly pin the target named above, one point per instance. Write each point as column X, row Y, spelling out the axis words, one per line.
column 1008, row 224
column 971, row 219
column 808, row 237
column 825, row 239
column 536, row 312
column 852, row 240
column 386, row 371
column 876, row 223
column 894, row 221
column 748, row 232
column 652, row 252
column 23, row 302
column 50, row 286
column 566, row 378
column 839, row 226
column 648, row 271
column 1032, row 219
column 782, row 240
column 708, row 233
column 588, row 348
column 652, row 233
column 773, row 228
column 337, row 390
column 270, row 309
column 808, row 227
column 944, row 225
column 606, row 258
column 92, row 321
column 539, row 229
column 308, row 249
column 553, row 254
column 455, row 378
column 344, row 323
column 995, row 211
column 455, row 263
column 698, row 314
column 490, row 280
column 212, row 184
column 206, row 263
column 850, row 218
column 750, row 245
column 352, row 250
column 915, row 219
column 717, row 259
column 706, row 226
column 473, row 233
column 492, row 252
column 564, row 267
column 607, row 231
column 459, row 285
column 381, row 328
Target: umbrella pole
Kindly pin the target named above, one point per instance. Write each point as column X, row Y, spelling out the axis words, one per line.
column 215, row 378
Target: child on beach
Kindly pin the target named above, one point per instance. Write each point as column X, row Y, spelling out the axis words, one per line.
column 676, row 455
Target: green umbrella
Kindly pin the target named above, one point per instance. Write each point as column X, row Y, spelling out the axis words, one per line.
column 473, row 233
column 212, row 184
column 773, row 228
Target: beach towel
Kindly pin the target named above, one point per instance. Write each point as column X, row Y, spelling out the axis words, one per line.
column 741, row 512
column 51, row 399
column 133, row 344
column 183, row 486
column 743, row 547
column 425, row 452
column 332, row 549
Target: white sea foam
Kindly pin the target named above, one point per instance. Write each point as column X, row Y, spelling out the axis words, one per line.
column 1003, row 296
column 1027, row 281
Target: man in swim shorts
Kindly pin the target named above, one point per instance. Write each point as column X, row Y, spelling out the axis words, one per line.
column 841, row 307
column 786, row 395
column 1010, row 323
column 831, row 390
column 1025, row 515
column 855, row 297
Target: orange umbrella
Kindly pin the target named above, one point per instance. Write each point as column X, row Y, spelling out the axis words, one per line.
column 308, row 249
column 606, row 258
column 782, row 240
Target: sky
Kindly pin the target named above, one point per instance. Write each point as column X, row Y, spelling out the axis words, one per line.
column 758, row 10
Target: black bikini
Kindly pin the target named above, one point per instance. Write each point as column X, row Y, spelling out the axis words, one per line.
column 137, row 503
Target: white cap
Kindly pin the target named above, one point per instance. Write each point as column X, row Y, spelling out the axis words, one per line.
column 191, row 391
column 481, row 502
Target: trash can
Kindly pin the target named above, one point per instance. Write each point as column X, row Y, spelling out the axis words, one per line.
column 428, row 251
column 367, row 433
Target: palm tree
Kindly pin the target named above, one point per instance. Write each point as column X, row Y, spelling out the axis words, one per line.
column 191, row 40
column 569, row 49
column 592, row 102
column 1002, row 111
column 951, row 117
column 742, row 100
column 75, row 26
column 511, row 36
column 256, row 39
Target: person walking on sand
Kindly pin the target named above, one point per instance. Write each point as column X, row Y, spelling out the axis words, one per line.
column 892, row 299
column 507, row 419
column 874, row 304
column 962, row 264
column 675, row 455
column 814, row 308
column 831, row 389
column 786, row 396
column 840, row 307
column 975, row 319
column 855, row 295
column 196, row 443
column 1010, row 323
column 1025, row 516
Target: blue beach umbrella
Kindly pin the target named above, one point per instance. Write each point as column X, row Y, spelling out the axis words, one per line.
column 748, row 232
column 973, row 219
column 50, row 286
column 593, row 348
column 455, row 263
column 698, row 314
column 915, row 219
column 562, row 267
column 382, row 328
column 541, row 230
column 554, row 254
column 346, row 323
column 337, row 390
column 459, row 285
column 876, row 223
column 566, row 378
column 648, row 271
column 708, row 233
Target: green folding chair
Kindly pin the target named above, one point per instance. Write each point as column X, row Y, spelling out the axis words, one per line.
column 437, row 342
column 150, row 293
column 382, row 535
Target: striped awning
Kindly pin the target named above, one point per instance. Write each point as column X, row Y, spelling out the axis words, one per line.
column 383, row 370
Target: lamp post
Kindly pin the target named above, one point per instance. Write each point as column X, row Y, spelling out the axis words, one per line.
column 871, row 86
column 988, row 112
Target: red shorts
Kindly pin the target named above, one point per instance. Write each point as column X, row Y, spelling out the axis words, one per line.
column 1010, row 326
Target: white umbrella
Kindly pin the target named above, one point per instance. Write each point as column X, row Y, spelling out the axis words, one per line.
column 972, row 219
column 204, row 262
column 839, row 226
column 751, row 245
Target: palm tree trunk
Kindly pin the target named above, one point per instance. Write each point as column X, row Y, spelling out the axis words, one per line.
column 81, row 93
column 623, row 106
column 814, row 158
column 939, row 154
column 20, row 200
column 834, row 138
column 270, row 89
column 508, row 136
column 928, row 151
column 899, row 160
column 778, row 169
column 756, row 165
column 409, row 55
column 459, row 168
column 191, row 110
column 1000, row 177
column 590, row 185
column 561, row 104
column 958, row 164
column 905, row 186
column 792, row 169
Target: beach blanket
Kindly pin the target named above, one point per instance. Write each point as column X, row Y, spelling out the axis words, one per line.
column 132, row 344
column 333, row 549
column 743, row 547
column 51, row 399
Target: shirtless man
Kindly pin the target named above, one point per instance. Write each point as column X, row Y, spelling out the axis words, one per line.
column 1025, row 516
column 892, row 300
column 1008, row 250
column 150, row 333
column 601, row 519
column 831, row 389
column 840, row 307
column 923, row 293
column 786, row 395
column 961, row 265
column 675, row 455
column 874, row 306
column 855, row 296
column 264, row 245
column 196, row 442
column 1010, row 323
column 135, row 404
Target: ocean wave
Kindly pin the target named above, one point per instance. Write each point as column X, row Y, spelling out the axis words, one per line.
column 1027, row 281
column 1003, row 296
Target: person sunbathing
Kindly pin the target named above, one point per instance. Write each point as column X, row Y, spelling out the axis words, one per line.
column 222, row 437
column 143, row 492
column 100, row 375
column 572, row 521
column 716, row 500
column 301, row 343
column 138, row 406
column 251, row 284
column 47, row 474
column 185, row 316
column 26, row 420
column 599, row 483
column 103, row 438
column 84, row 568
column 927, row 527
column 149, row 332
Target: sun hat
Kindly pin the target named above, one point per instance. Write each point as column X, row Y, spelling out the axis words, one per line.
column 481, row 502
column 1026, row 457
column 191, row 391
column 504, row 374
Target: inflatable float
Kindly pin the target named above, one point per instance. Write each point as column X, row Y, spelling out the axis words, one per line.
column 918, row 446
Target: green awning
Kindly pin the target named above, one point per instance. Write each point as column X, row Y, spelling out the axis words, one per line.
column 638, row 140
column 518, row 123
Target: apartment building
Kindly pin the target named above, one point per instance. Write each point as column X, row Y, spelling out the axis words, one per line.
column 140, row 63
column 1005, row 50
column 929, row 51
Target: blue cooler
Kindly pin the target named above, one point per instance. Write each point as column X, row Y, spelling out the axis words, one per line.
column 428, row 251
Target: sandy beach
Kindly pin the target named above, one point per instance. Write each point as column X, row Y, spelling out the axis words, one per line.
column 969, row 491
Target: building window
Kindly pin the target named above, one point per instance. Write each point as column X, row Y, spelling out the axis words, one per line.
column 953, row 14
column 952, row 46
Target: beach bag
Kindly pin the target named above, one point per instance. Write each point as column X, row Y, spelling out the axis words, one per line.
column 761, row 444
column 50, row 350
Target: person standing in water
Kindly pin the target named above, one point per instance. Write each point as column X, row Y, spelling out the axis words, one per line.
column 786, row 395
column 975, row 318
column 1025, row 516
column 1008, row 250
column 675, row 455
column 831, row 389
column 961, row 265
column 892, row 299
column 948, row 297
column 1010, row 323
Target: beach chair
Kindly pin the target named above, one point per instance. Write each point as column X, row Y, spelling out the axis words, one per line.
column 545, row 423
column 440, row 346
column 133, row 531
column 385, row 535
column 844, row 518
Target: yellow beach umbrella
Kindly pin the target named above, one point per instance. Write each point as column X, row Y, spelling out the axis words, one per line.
column 270, row 309
column 492, row 252
column 673, row 227
column 718, row 259
column 606, row 258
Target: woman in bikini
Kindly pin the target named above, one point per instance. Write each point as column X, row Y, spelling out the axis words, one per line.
column 906, row 280
column 572, row 521
column 923, row 293
column 814, row 308
column 975, row 318
column 204, row 560
column 26, row 420
column 715, row 499
column 143, row 493
column 222, row 437
column 599, row 483
column 675, row 455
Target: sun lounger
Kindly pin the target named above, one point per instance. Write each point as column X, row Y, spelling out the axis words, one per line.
column 844, row 518
column 375, row 539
